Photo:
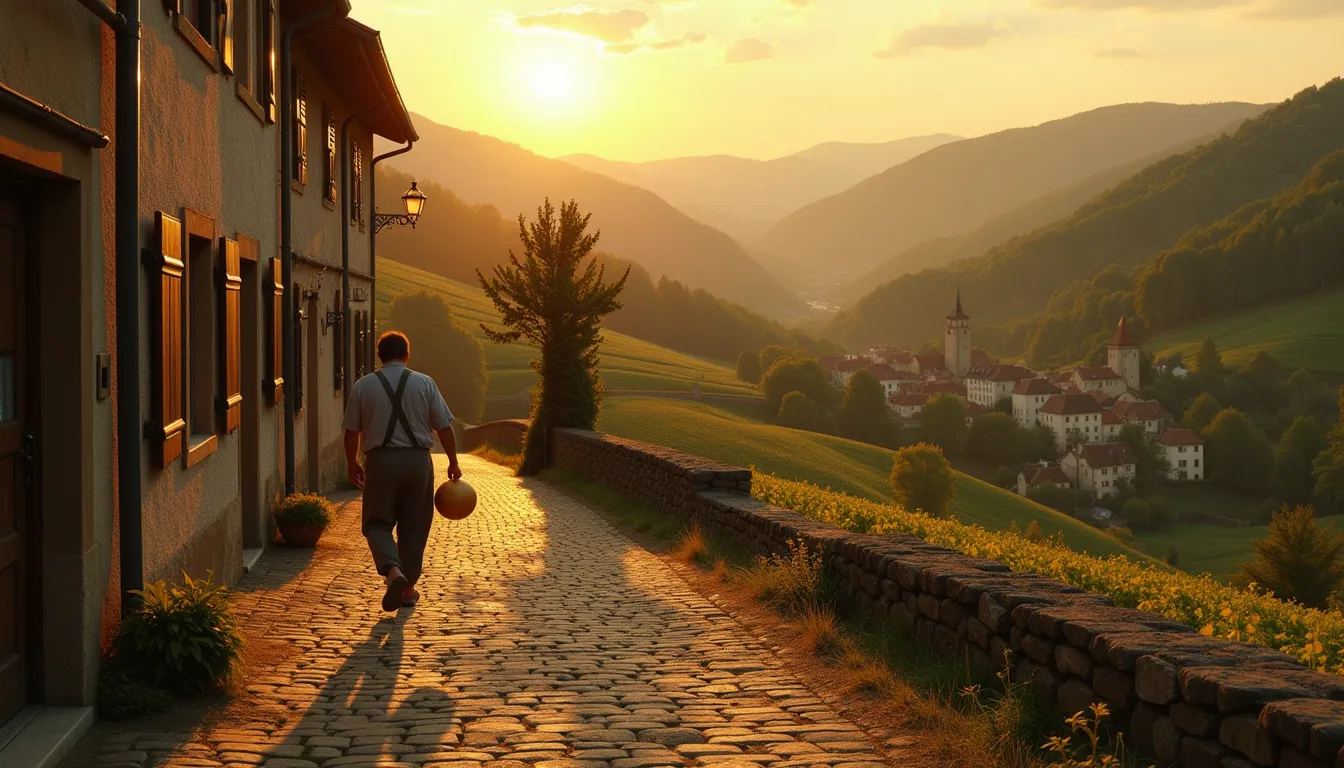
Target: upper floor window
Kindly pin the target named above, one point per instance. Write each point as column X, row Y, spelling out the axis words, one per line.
column 356, row 191
column 204, row 16
column 300, row 130
column 329, row 162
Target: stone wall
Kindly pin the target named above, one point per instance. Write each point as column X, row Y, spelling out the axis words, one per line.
column 1179, row 697
column 503, row 435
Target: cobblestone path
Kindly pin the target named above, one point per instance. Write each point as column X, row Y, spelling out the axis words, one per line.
column 544, row 638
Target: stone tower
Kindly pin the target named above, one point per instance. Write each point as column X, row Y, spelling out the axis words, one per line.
column 1122, row 355
column 957, row 342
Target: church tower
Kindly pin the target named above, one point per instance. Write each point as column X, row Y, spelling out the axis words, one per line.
column 957, row 342
column 1122, row 355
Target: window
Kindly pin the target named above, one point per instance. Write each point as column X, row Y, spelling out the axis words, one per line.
column 202, row 16
column 201, row 342
column 266, row 57
column 1196, row 462
column 246, row 46
column 1181, row 463
column 356, row 191
column 329, row 166
column 300, row 130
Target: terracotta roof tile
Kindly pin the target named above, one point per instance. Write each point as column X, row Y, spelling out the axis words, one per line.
column 1069, row 405
column 1105, row 454
column 1179, row 437
column 1035, row 387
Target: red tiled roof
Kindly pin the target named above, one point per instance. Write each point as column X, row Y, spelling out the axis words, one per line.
column 1098, row 395
column 1122, row 337
column 975, row 409
column 908, row 398
column 1141, row 410
column 1095, row 373
column 1105, row 454
column 943, row 388
column 884, row 372
column 1069, row 405
column 981, row 357
column 1109, row 417
column 1035, row 387
column 1000, row 373
column 1044, row 475
column 931, row 362
column 1179, row 437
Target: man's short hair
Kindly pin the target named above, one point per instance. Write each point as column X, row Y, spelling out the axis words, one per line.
column 393, row 345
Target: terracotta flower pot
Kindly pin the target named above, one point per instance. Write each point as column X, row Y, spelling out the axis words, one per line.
column 301, row 535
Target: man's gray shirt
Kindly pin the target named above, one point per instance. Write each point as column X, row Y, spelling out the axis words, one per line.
column 370, row 409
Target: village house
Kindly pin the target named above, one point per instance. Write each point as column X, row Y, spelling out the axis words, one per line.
column 1184, row 452
column 840, row 369
column 1097, row 378
column 1101, row 469
column 891, row 379
column 149, row 186
column 987, row 386
column 1073, row 418
column 1111, row 424
column 907, row 405
column 1028, row 397
column 1148, row 414
column 1036, row 475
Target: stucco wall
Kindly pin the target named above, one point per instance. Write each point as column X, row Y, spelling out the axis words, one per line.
column 1177, row 695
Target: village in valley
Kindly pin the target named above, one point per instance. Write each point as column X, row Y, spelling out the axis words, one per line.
column 1084, row 408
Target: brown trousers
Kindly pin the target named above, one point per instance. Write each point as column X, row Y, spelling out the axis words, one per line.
column 398, row 493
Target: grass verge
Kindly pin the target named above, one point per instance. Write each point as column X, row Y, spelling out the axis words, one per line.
column 506, row 457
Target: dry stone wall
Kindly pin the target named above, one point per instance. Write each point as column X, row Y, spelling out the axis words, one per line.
column 1180, row 697
column 496, row 434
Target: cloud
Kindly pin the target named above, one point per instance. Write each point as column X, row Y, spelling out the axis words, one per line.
column 1119, row 53
column 949, row 36
column 657, row 46
column 1254, row 9
column 745, row 50
column 612, row 27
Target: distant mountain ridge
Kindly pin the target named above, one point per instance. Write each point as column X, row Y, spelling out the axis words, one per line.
column 636, row 224
column 1093, row 250
column 954, row 188
column 744, row 197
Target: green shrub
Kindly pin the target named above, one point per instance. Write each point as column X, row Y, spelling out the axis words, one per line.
column 303, row 509
column 182, row 638
column 122, row 696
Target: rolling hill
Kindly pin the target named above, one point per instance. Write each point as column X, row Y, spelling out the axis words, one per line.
column 956, row 187
column 636, row 224
column 627, row 363
column 841, row 465
column 1302, row 333
column 1144, row 215
column 744, row 197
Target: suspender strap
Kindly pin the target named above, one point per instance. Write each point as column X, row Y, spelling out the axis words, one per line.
column 398, row 414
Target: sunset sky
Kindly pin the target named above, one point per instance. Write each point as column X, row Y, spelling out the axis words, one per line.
column 648, row 79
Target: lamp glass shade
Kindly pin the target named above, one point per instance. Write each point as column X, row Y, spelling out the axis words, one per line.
column 414, row 200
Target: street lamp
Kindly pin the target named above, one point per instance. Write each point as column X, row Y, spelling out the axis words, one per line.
column 414, row 203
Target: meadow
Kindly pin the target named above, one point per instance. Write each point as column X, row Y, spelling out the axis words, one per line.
column 627, row 363
column 856, row 469
column 1303, row 333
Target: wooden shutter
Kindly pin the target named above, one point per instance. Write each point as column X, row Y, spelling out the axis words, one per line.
column 356, row 191
column 300, row 130
column 269, row 54
column 231, row 297
column 226, row 34
column 167, row 427
column 275, row 377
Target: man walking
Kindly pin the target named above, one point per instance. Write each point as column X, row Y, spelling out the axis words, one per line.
column 393, row 415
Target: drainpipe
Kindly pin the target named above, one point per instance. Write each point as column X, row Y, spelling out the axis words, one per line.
column 286, row 235
column 345, row 252
column 126, row 214
column 373, row 241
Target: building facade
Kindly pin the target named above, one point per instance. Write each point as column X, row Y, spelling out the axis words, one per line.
column 1101, row 469
column 1122, row 356
column 1184, row 451
column 1073, row 418
column 204, row 196
column 957, row 341
column 987, row 386
column 1028, row 397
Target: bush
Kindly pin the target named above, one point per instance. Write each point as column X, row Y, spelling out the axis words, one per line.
column 922, row 479
column 796, row 374
column 1299, row 560
column 749, row 367
column 182, row 638
column 796, row 411
column 303, row 509
column 121, row 696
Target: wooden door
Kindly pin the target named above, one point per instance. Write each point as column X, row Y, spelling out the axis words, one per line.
column 16, row 450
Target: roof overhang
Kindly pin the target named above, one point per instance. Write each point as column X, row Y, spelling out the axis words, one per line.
column 354, row 63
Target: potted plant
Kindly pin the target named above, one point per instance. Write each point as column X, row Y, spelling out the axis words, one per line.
column 301, row 518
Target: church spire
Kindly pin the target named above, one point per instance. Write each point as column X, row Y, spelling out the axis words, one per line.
column 1122, row 337
column 958, row 313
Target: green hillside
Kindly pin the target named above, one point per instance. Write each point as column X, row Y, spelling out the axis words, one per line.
column 1303, row 333
column 1144, row 216
column 832, row 462
column 1205, row 549
column 627, row 363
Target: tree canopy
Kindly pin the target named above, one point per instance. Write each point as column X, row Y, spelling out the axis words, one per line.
column 922, row 479
column 443, row 350
column 1299, row 560
column 943, row 423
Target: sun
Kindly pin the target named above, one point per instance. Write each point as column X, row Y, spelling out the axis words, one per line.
column 552, row 82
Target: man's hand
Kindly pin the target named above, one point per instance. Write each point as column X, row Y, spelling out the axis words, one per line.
column 454, row 471
column 356, row 473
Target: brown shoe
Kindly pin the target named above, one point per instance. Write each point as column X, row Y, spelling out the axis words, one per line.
column 396, row 586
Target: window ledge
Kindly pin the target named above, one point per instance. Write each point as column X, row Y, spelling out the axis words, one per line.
column 198, row 447
column 245, row 96
column 198, row 44
column 329, row 204
column 297, row 186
